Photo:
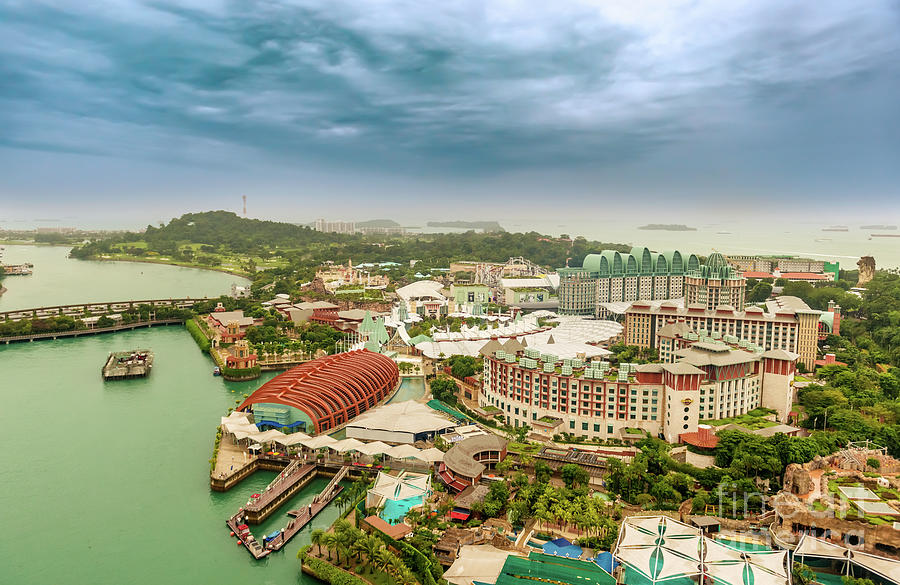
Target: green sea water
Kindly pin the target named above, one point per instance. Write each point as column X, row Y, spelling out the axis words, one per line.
column 60, row 280
column 107, row 482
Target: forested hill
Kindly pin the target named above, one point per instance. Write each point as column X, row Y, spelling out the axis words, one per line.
column 238, row 234
column 225, row 232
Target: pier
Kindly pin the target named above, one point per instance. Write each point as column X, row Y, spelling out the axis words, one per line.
column 296, row 475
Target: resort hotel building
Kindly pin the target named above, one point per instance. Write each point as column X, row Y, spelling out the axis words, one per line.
column 787, row 323
column 570, row 392
column 611, row 277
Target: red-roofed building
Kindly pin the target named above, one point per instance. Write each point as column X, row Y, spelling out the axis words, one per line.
column 755, row 274
column 330, row 390
column 830, row 360
column 806, row 276
column 703, row 438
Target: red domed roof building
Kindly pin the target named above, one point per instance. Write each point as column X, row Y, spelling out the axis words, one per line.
column 325, row 392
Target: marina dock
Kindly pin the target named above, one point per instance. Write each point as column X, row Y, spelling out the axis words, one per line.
column 272, row 498
column 123, row 365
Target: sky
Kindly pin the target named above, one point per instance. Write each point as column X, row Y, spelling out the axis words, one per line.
column 119, row 112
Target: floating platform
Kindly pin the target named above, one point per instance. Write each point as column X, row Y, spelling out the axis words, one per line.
column 18, row 269
column 122, row 365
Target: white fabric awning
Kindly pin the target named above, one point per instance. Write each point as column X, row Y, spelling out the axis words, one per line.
column 772, row 561
column 403, row 451
column 719, row 553
column 267, row 436
column 430, row 455
column 346, row 445
column 650, row 524
column 885, row 567
column 318, row 442
column 815, row 547
column 292, row 439
column 675, row 565
column 374, row 448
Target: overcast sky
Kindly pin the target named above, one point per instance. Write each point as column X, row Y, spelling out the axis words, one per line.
column 116, row 110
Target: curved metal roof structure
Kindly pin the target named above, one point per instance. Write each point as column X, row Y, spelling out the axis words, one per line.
column 461, row 458
column 333, row 389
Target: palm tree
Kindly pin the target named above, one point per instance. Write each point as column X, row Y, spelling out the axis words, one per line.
column 383, row 559
column 372, row 545
column 397, row 566
column 329, row 541
column 316, row 539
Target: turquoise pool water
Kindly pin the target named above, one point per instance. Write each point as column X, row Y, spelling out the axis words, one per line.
column 395, row 510
column 410, row 389
column 742, row 545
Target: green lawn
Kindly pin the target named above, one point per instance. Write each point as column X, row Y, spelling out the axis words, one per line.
column 523, row 447
column 750, row 421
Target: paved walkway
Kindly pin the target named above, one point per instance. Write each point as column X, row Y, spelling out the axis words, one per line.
column 231, row 457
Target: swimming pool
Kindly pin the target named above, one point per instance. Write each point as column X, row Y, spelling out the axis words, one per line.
column 395, row 510
column 411, row 388
column 742, row 545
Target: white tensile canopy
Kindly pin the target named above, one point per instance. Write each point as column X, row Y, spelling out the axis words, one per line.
column 345, row 445
column 403, row 451
column 882, row 566
column 400, row 487
column 430, row 455
column 266, row 436
column 809, row 546
column 236, row 427
column 292, row 439
column 235, row 417
column 661, row 548
column 374, row 448
column 318, row 442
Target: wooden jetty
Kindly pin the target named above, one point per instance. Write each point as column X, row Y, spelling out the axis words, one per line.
column 123, row 365
column 239, row 523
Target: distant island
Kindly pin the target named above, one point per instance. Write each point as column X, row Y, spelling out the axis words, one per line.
column 836, row 228
column 668, row 227
column 879, row 227
column 378, row 223
column 487, row 226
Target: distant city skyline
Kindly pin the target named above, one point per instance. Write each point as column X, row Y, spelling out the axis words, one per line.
column 123, row 113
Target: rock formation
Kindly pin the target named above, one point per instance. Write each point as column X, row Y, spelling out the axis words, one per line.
column 866, row 270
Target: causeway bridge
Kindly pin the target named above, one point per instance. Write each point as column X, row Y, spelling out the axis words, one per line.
column 94, row 331
column 95, row 309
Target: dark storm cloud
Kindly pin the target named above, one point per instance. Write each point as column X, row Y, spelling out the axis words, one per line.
column 472, row 86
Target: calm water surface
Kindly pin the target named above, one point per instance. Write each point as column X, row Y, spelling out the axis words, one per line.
column 59, row 280
column 108, row 482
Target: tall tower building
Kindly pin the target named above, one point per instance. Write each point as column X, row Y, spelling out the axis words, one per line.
column 715, row 284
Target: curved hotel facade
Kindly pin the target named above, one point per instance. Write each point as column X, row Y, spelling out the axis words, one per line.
column 710, row 380
column 612, row 276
